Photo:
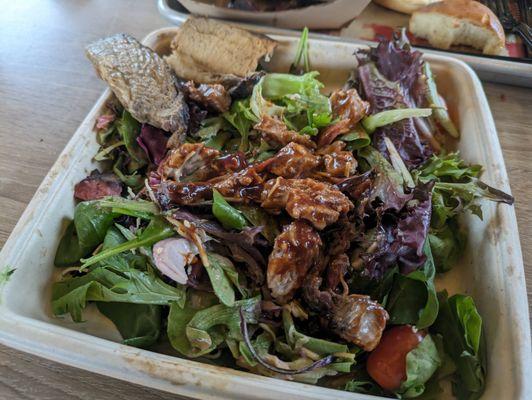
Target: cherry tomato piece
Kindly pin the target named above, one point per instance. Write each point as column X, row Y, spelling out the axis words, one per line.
column 387, row 363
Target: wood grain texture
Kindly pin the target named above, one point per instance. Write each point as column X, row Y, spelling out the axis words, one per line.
column 46, row 89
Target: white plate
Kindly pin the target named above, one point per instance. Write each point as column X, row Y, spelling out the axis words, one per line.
column 491, row 271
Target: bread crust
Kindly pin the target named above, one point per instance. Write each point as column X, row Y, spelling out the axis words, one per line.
column 470, row 10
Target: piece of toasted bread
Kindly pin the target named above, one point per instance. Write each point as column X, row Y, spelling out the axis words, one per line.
column 459, row 22
column 205, row 49
column 404, row 6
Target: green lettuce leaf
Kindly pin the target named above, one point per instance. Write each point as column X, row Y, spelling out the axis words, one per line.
column 447, row 244
column 460, row 325
column 383, row 118
column 421, row 363
column 440, row 112
column 135, row 208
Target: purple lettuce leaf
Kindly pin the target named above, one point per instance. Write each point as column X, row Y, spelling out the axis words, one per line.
column 398, row 238
column 153, row 141
column 389, row 77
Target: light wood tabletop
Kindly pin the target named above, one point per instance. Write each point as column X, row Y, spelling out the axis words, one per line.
column 46, row 89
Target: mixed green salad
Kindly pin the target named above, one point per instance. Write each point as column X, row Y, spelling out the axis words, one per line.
column 292, row 233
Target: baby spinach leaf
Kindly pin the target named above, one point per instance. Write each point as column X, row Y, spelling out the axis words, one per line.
column 413, row 299
column 84, row 233
column 139, row 324
column 158, row 229
column 460, row 325
column 421, row 363
column 229, row 216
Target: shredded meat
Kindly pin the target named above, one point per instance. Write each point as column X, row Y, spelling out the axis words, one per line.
column 196, row 162
column 358, row 320
column 212, row 96
column 317, row 202
column 182, row 193
column 97, row 186
column 185, row 159
column 336, row 271
column 337, row 162
column 330, row 133
column 347, row 104
column 294, row 253
column 276, row 132
column 349, row 109
column 244, row 185
column 292, row 161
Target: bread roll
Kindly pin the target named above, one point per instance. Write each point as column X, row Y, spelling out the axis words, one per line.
column 404, row 6
column 459, row 22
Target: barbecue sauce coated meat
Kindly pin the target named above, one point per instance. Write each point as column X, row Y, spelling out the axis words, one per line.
column 294, row 252
column 275, row 132
column 316, row 202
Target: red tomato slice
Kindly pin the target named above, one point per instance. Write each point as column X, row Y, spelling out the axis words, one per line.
column 387, row 363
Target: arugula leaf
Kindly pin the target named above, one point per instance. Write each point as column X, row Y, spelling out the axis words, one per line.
column 114, row 282
column 139, row 324
column 84, row 233
column 413, row 299
column 158, row 229
column 219, row 280
column 383, row 118
column 198, row 329
column 229, row 216
column 460, row 325
column 129, row 130
column 421, row 363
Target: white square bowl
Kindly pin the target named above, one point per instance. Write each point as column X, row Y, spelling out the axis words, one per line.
column 491, row 270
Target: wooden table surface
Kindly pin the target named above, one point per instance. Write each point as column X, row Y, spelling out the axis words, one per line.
column 46, row 89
